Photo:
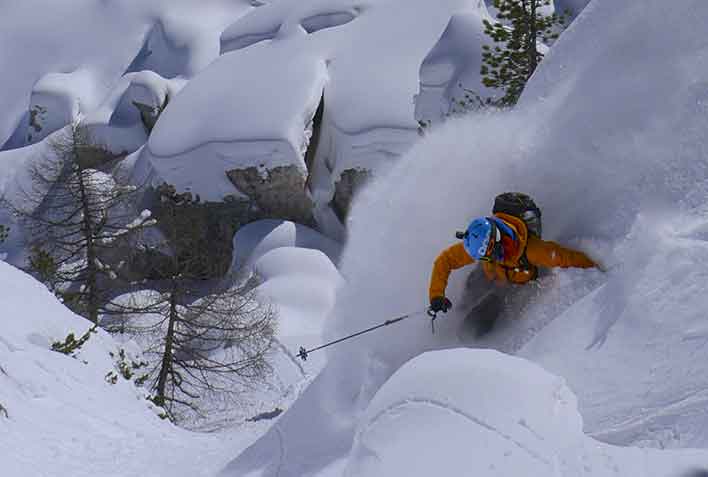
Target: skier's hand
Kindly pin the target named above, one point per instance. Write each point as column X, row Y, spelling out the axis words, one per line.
column 440, row 303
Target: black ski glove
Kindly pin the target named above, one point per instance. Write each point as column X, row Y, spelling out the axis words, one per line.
column 440, row 303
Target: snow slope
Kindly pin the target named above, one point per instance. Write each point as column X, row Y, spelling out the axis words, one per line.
column 64, row 418
column 609, row 138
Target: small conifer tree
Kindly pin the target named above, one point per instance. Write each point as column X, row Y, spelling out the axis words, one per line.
column 521, row 25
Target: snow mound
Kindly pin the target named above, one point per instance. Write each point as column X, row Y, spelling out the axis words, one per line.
column 449, row 73
column 490, row 415
column 257, row 238
column 488, row 411
column 92, row 47
column 302, row 284
column 57, row 100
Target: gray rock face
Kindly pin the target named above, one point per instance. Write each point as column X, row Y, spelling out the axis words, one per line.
column 279, row 192
column 348, row 185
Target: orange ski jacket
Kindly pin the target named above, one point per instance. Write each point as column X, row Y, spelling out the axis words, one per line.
column 539, row 253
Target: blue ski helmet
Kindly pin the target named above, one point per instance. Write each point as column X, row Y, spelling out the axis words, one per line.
column 476, row 239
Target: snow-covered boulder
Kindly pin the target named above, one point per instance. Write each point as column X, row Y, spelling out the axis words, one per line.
column 145, row 88
column 258, row 238
column 449, row 75
column 295, row 271
column 480, row 412
column 126, row 116
column 285, row 61
column 57, row 99
column 302, row 283
column 96, row 42
column 466, row 412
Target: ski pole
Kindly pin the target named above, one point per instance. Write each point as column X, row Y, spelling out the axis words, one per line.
column 303, row 353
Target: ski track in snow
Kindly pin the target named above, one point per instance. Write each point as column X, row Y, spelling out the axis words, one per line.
column 412, row 402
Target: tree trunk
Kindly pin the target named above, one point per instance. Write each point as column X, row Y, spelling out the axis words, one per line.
column 531, row 39
column 166, row 367
column 92, row 299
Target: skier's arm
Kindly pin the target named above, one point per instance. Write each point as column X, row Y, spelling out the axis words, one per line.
column 545, row 253
column 450, row 259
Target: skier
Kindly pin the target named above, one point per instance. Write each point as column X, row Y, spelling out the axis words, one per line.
column 509, row 246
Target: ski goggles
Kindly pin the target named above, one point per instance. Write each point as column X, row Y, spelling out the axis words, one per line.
column 495, row 251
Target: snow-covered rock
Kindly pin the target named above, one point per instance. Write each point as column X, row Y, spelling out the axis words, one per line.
column 284, row 61
column 449, row 75
column 58, row 99
column 96, row 42
column 127, row 115
column 302, row 284
column 257, row 238
column 479, row 412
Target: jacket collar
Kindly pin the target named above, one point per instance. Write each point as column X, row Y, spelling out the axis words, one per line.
column 519, row 228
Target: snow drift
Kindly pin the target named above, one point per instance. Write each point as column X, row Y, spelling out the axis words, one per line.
column 506, row 417
column 63, row 417
column 96, row 43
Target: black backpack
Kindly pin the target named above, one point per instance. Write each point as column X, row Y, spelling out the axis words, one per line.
column 522, row 206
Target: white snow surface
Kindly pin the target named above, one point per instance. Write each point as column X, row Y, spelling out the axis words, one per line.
column 79, row 59
column 449, row 74
column 507, row 417
column 254, row 105
column 63, row 418
column 254, row 240
column 302, row 282
column 609, row 138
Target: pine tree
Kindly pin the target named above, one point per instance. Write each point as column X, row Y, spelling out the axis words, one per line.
column 510, row 64
column 74, row 213
column 203, row 344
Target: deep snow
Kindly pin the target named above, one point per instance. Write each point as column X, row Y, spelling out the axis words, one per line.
column 64, row 418
column 609, row 138
column 97, row 42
